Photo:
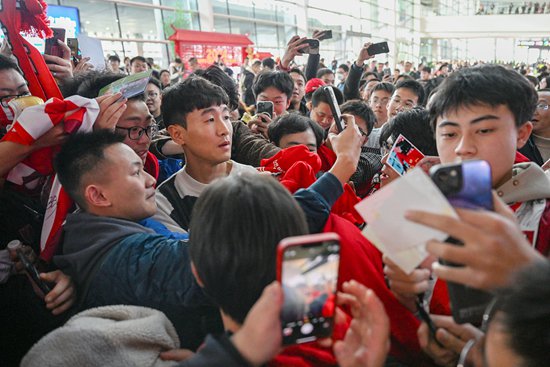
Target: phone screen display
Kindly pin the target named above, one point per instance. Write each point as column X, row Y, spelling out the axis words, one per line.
column 309, row 275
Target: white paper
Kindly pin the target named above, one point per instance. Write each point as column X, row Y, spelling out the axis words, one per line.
column 92, row 48
column 401, row 240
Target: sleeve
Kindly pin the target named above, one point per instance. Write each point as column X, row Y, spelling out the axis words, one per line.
column 351, row 87
column 216, row 351
column 317, row 200
column 164, row 208
column 312, row 66
column 249, row 148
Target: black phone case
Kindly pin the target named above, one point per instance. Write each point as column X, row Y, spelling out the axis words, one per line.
column 264, row 108
column 333, row 103
column 378, row 48
column 30, row 269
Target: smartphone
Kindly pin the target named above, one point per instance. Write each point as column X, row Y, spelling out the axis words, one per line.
column 307, row 267
column 333, row 103
column 378, row 48
column 32, row 272
column 311, row 44
column 325, row 35
column 52, row 46
column 466, row 185
column 72, row 43
column 264, row 107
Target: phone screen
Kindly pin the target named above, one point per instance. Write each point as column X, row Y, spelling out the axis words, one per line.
column 309, row 275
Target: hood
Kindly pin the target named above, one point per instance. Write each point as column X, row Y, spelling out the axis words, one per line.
column 87, row 239
column 528, row 182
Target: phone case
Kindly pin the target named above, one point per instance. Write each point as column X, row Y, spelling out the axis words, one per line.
column 33, row 274
column 334, row 107
column 264, row 107
column 378, row 48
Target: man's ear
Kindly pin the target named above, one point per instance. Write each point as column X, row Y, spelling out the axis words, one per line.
column 196, row 275
column 524, row 132
column 177, row 133
column 309, row 106
column 288, row 101
column 95, row 197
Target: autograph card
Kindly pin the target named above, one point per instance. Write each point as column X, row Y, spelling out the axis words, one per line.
column 403, row 155
column 130, row 86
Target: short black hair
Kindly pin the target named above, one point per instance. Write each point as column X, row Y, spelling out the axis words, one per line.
column 415, row 126
column 268, row 63
column 361, row 109
column 292, row 123
column 137, row 58
column 164, row 71
column 155, row 82
column 88, row 84
column 323, row 71
column 298, row 71
column 320, row 96
column 194, row 93
column 524, row 311
column 414, row 87
column 6, row 63
column 218, row 77
column 385, row 86
column 81, row 154
column 236, row 225
column 427, row 69
column 278, row 79
column 490, row 85
column 114, row 58
column 344, row 67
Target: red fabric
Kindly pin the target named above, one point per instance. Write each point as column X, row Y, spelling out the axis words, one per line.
column 209, row 38
column 327, row 157
column 313, row 84
column 520, row 158
column 543, row 239
column 152, row 165
column 361, row 261
column 298, row 176
column 282, row 161
column 345, row 206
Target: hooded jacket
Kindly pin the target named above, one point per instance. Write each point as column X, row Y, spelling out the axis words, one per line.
column 115, row 261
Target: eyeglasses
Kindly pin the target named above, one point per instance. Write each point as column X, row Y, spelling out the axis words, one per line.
column 542, row 106
column 136, row 132
column 6, row 99
column 151, row 95
column 362, row 132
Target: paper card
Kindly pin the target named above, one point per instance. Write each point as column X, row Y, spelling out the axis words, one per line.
column 92, row 48
column 403, row 155
column 129, row 86
column 384, row 213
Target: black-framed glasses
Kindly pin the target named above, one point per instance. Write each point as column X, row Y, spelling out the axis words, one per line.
column 136, row 132
column 6, row 99
column 542, row 106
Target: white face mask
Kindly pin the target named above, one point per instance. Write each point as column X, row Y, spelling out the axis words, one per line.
column 339, row 77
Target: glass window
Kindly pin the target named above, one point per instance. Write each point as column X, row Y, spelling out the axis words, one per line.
column 137, row 22
column 181, row 4
column 179, row 19
column 221, row 25
column 265, row 11
column 96, row 18
column 241, row 9
column 266, row 36
column 219, row 6
column 245, row 28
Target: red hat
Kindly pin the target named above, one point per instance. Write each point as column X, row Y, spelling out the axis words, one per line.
column 313, row 84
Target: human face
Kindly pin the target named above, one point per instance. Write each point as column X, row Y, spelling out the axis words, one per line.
column 165, row 79
column 299, row 88
column 129, row 190
column 306, row 138
column 379, row 103
column 424, row 75
column 114, row 64
column 136, row 114
column 481, row 132
column 408, row 67
column 403, row 99
column 279, row 99
column 328, row 78
column 138, row 66
column 322, row 114
column 541, row 118
column 12, row 83
column 368, row 89
column 153, row 99
column 207, row 137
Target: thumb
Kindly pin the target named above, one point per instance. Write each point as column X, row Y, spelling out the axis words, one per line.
column 65, row 48
column 271, row 300
column 50, row 277
column 176, row 355
column 501, row 207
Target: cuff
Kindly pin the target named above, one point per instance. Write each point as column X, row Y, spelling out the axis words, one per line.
column 329, row 187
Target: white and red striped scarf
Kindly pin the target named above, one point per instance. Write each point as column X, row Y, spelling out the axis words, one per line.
column 34, row 122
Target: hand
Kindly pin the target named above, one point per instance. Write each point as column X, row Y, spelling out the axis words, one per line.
column 406, row 287
column 428, row 162
column 82, row 66
column 293, row 48
column 18, row 265
column 63, row 295
column 347, row 147
column 366, row 343
column 55, row 136
column 61, row 67
column 111, row 107
column 494, row 246
column 259, row 123
column 260, row 337
column 363, row 55
column 450, row 335
column 546, row 165
column 176, row 355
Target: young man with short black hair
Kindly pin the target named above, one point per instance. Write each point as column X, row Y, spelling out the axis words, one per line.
column 295, row 129
column 319, row 107
column 138, row 64
column 297, row 102
column 153, row 99
column 326, row 75
column 407, row 95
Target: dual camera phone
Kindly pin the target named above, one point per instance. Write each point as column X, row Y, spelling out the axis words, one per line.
column 307, row 268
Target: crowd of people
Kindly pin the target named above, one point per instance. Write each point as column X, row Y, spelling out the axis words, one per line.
column 176, row 199
column 518, row 7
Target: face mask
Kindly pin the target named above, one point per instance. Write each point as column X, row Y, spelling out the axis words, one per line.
column 339, row 77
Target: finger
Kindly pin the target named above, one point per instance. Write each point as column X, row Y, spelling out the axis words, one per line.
column 62, row 303
column 464, row 331
column 449, row 341
column 462, row 275
column 457, row 228
column 451, row 252
column 176, row 355
column 409, row 288
column 423, row 335
column 501, row 208
column 66, row 50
